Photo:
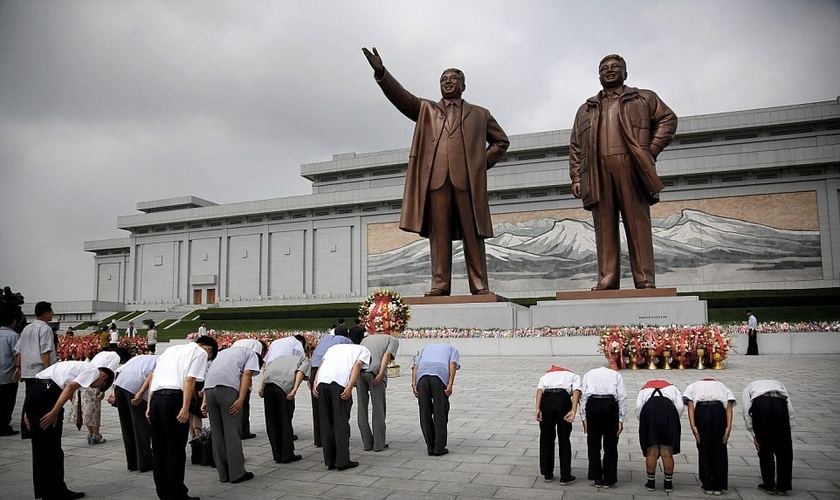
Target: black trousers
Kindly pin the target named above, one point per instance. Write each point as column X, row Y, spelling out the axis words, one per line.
column 246, row 416
column 24, row 432
column 278, row 422
column 712, row 456
column 169, row 442
column 47, row 455
column 434, row 412
column 752, row 344
column 555, row 406
column 602, row 429
column 335, row 424
column 8, row 397
column 136, row 431
column 771, row 424
column 316, row 412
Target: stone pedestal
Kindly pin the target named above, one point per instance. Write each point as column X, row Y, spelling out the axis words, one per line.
column 620, row 307
column 489, row 311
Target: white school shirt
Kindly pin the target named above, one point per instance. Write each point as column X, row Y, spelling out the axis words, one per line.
column 604, row 381
column 759, row 388
column 708, row 390
column 64, row 372
column 286, row 346
column 338, row 362
column 176, row 364
column 560, row 380
column 671, row 392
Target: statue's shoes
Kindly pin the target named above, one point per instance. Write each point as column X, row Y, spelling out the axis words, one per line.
column 603, row 286
column 645, row 285
column 437, row 292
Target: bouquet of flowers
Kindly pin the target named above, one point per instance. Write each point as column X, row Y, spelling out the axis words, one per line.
column 384, row 311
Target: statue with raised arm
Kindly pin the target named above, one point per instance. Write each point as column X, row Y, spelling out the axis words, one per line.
column 445, row 196
column 615, row 140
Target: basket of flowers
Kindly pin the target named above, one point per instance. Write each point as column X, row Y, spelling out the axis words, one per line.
column 385, row 311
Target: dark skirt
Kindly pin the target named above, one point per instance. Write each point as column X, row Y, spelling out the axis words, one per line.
column 659, row 424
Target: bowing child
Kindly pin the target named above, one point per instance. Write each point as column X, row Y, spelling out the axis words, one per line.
column 710, row 406
column 558, row 394
column 658, row 409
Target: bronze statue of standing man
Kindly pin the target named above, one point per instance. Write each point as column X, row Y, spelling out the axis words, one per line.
column 615, row 140
column 445, row 196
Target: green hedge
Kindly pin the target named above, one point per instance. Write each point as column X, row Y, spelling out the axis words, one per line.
column 348, row 311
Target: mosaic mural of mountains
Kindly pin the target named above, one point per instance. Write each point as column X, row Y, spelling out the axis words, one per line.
column 552, row 250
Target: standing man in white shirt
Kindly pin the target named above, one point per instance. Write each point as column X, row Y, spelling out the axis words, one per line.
column 371, row 388
column 558, row 395
column 768, row 416
column 336, row 377
column 752, row 334
column 202, row 329
column 227, row 386
column 131, row 332
column 174, row 380
column 43, row 410
column 35, row 350
column 603, row 407
column 432, row 380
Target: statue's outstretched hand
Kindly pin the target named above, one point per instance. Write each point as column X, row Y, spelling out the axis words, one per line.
column 374, row 60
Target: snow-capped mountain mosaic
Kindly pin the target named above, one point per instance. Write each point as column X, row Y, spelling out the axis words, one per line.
column 544, row 255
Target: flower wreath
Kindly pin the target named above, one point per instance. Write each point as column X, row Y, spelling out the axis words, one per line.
column 384, row 311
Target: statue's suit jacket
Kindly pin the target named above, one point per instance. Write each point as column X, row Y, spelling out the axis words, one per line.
column 478, row 128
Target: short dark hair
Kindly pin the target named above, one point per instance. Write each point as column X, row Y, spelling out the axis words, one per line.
column 617, row 58
column 458, row 72
column 358, row 321
column 42, row 308
column 340, row 321
column 108, row 380
column 209, row 341
column 8, row 316
column 749, row 311
column 300, row 338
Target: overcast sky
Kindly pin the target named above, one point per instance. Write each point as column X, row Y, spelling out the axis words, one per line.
column 104, row 104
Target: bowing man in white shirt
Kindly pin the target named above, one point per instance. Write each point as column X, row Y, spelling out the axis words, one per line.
column 174, row 380
column 333, row 387
column 43, row 413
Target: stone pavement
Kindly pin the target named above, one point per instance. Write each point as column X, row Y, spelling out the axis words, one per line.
column 493, row 442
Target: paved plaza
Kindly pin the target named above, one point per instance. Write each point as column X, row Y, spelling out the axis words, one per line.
column 493, row 443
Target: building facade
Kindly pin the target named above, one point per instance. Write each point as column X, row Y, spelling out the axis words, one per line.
column 751, row 202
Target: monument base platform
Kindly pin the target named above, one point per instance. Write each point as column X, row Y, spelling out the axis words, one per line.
column 642, row 309
column 617, row 294
column 456, row 299
column 460, row 312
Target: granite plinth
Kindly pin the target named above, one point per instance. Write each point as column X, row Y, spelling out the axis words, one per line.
column 617, row 294
column 456, row 299
column 620, row 311
column 472, row 314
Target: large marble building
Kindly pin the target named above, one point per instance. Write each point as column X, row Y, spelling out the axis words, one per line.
column 751, row 202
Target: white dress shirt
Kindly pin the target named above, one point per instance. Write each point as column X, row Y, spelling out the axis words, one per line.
column 606, row 382
column 176, row 364
column 81, row 372
column 560, row 380
column 708, row 390
column 338, row 362
column 759, row 388
column 286, row 346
